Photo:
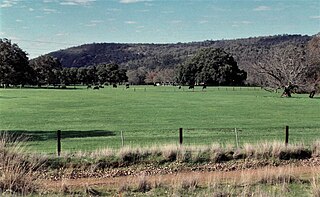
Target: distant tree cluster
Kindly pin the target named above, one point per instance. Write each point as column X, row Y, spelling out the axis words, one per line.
column 100, row 74
column 144, row 75
column 212, row 67
column 16, row 69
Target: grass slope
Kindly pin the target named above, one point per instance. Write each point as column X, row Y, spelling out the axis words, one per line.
column 148, row 115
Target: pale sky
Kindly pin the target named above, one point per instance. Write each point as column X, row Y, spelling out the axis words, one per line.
column 42, row 26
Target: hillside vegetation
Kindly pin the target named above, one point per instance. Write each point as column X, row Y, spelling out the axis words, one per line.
column 159, row 56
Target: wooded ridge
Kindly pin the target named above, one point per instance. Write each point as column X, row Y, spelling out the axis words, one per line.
column 159, row 56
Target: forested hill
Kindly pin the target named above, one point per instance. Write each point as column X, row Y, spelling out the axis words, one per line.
column 152, row 56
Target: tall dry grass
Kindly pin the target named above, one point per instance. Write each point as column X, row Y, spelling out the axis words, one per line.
column 16, row 170
column 315, row 183
column 316, row 148
column 214, row 153
column 315, row 186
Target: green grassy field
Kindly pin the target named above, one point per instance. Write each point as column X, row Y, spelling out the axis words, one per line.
column 147, row 115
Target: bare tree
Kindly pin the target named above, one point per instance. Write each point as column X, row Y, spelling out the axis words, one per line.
column 283, row 64
column 314, row 62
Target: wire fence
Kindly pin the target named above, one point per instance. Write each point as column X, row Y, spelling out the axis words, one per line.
column 72, row 141
column 188, row 89
column 240, row 136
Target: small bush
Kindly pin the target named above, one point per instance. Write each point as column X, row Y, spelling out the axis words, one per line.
column 201, row 156
column 170, row 153
column 189, row 184
column 249, row 150
column 221, row 156
column 100, row 165
column 124, row 187
column 64, row 189
column 54, row 163
column 184, row 156
column 143, row 185
column 239, row 154
column 299, row 153
column 264, row 150
column 128, row 155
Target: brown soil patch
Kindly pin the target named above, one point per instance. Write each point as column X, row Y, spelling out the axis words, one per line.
column 204, row 177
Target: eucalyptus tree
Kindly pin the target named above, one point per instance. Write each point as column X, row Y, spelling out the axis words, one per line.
column 290, row 64
column 14, row 65
column 46, row 69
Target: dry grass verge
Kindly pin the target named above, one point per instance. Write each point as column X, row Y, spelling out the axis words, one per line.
column 16, row 170
column 190, row 155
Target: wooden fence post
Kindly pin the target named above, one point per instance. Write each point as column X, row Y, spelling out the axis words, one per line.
column 237, row 140
column 122, row 139
column 287, row 135
column 59, row 142
column 180, row 136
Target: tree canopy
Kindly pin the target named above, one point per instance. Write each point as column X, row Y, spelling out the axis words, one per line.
column 110, row 73
column 16, row 69
column 46, row 69
column 14, row 65
column 212, row 67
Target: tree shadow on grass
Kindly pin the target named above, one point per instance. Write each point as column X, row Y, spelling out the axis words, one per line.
column 8, row 97
column 52, row 135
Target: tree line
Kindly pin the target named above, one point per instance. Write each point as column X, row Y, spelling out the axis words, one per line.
column 158, row 57
column 17, row 69
column 274, row 64
column 209, row 66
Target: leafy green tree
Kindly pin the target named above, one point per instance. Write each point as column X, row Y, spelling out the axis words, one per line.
column 110, row 73
column 73, row 76
column 122, row 76
column 69, row 76
column 91, row 75
column 82, row 76
column 137, row 76
column 14, row 65
column 212, row 67
column 45, row 68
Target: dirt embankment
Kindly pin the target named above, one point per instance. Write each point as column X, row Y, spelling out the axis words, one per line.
column 236, row 171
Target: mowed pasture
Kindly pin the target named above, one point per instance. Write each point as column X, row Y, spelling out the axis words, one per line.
column 151, row 116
